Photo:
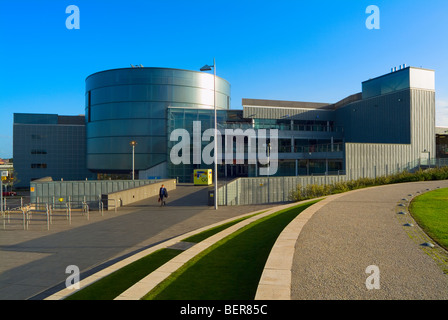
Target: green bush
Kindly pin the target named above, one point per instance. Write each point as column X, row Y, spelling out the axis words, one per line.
column 339, row 187
column 316, row 191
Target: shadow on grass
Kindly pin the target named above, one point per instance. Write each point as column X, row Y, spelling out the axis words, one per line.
column 230, row 269
column 109, row 287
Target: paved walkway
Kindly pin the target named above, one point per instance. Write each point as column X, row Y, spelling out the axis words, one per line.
column 331, row 245
column 33, row 262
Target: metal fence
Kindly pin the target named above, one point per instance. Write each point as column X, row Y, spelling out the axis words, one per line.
column 61, row 200
column 58, row 193
column 246, row 191
column 263, row 190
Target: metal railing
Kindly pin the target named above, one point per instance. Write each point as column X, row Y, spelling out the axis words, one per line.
column 47, row 209
column 257, row 190
column 335, row 147
column 281, row 127
column 300, row 127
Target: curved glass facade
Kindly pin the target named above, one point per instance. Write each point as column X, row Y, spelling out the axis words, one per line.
column 131, row 104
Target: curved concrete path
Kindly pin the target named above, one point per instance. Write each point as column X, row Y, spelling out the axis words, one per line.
column 331, row 245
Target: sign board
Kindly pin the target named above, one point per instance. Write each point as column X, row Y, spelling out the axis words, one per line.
column 203, row 177
column 424, row 159
column 4, row 173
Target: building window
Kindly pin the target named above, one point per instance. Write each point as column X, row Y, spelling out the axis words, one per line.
column 38, row 166
column 38, row 151
column 89, row 102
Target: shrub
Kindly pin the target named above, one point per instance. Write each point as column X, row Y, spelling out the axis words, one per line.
column 339, row 187
column 316, row 191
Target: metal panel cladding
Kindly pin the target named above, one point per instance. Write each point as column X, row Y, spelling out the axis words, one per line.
column 129, row 104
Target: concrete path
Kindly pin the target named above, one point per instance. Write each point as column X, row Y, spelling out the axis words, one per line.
column 33, row 262
column 332, row 245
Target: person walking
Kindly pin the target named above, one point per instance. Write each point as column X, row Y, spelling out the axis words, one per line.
column 163, row 193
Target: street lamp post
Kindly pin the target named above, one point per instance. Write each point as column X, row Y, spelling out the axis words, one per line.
column 208, row 68
column 133, row 144
column 269, row 167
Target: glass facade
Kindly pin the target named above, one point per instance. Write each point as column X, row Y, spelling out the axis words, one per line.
column 129, row 104
column 297, row 125
column 391, row 82
column 184, row 118
column 297, row 156
column 147, row 104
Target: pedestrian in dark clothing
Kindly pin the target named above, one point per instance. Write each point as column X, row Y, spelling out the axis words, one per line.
column 163, row 193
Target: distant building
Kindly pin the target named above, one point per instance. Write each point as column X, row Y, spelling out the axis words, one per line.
column 48, row 145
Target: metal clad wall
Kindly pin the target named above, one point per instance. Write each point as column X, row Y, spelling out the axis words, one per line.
column 60, row 147
column 370, row 160
column 278, row 113
column 423, row 120
column 374, row 160
column 245, row 191
column 77, row 190
column 383, row 119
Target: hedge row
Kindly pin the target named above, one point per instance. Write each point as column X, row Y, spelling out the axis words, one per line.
column 315, row 191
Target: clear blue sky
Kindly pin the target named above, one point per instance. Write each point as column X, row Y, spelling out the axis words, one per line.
column 316, row 51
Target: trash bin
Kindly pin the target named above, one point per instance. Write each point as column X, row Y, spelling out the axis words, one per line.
column 211, row 197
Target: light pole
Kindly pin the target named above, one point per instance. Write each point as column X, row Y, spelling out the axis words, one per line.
column 208, row 68
column 269, row 167
column 133, row 144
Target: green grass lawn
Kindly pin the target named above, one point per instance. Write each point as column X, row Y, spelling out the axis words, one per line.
column 230, row 269
column 112, row 285
column 119, row 281
column 430, row 210
column 208, row 233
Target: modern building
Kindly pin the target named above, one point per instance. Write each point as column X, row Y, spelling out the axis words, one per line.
column 143, row 105
column 387, row 127
column 49, row 145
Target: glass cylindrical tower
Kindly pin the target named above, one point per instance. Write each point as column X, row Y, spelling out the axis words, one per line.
column 130, row 104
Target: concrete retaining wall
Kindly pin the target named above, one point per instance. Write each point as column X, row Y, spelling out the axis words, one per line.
column 126, row 197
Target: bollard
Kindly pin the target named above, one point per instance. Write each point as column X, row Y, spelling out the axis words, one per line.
column 48, row 218
column 69, row 213
column 25, row 219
